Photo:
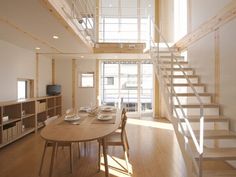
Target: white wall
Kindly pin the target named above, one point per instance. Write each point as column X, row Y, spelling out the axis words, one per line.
column 228, row 71
column 64, row 78
column 15, row 62
column 201, row 55
column 45, row 74
column 86, row 95
column 201, row 10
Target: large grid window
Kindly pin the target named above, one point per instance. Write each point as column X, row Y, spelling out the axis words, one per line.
column 128, row 82
column 124, row 21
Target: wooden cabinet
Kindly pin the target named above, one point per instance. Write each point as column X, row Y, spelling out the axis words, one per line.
column 48, row 107
column 17, row 120
column 21, row 117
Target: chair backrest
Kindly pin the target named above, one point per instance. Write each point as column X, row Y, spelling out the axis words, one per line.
column 49, row 120
column 123, row 120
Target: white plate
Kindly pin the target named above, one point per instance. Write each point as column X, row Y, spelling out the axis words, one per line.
column 84, row 109
column 107, row 109
column 104, row 117
column 69, row 118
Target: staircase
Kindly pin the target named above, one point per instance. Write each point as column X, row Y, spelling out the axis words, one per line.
column 203, row 133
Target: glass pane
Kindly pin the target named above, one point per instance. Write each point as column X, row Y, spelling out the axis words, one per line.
column 146, row 88
column 87, row 80
column 21, row 89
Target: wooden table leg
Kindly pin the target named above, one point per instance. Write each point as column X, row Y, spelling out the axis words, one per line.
column 44, row 151
column 71, row 157
column 105, row 157
column 52, row 158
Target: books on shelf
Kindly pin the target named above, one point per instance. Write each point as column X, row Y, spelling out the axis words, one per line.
column 11, row 132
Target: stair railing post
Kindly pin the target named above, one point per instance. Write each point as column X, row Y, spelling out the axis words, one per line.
column 171, row 84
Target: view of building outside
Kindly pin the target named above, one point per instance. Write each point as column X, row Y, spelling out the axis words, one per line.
column 122, row 82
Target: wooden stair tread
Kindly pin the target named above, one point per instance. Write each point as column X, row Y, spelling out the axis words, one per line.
column 211, row 105
column 208, row 118
column 178, row 62
column 182, row 76
column 216, row 134
column 192, row 94
column 176, row 56
column 219, row 154
column 186, row 85
column 219, row 173
column 177, row 69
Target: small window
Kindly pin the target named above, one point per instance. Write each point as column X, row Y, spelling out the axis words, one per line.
column 25, row 88
column 109, row 80
column 87, row 79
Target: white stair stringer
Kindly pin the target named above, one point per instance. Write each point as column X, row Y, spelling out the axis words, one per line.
column 219, row 142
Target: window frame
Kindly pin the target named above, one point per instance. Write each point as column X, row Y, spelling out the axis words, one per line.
column 29, row 88
column 81, row 78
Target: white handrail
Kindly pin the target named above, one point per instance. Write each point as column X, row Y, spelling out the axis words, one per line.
column 172, row 94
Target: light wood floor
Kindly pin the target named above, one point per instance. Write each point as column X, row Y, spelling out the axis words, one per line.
column 154, row 152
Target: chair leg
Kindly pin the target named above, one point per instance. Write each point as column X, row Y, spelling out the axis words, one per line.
column 127, row 161
column 41, row 164
column 126, row 139
column 85, row 148
column 126, row 151
column 71, row 157
column 99, row 156
column 78, row 150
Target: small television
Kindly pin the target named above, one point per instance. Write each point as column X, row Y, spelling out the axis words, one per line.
column 53, row 90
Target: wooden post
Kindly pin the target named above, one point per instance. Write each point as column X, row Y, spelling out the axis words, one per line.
column 74, row 84
column 37, row 76
column 53, row 71
column 97, row 81
column 217, row 66
column 157, row 19
column 157, row 101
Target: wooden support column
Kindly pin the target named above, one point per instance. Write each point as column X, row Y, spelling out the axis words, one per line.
column 53, row 71
column 97, row 20
column 157, row 19
column 97, row 81
column 37, row 76
column 74, row 84
column 139, row 20
column 189, row 12
column 157, row 100
column 217, row 66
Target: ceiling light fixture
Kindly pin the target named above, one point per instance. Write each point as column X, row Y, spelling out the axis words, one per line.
column 82, row 56
column 55, row 37
column 37, row 48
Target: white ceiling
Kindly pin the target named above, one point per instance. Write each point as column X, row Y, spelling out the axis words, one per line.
column 28, row 24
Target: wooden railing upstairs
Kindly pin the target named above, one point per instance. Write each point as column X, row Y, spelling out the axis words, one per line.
column 175, row 110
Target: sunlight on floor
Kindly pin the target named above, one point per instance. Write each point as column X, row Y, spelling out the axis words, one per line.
column 149, row 123
column 117, row 166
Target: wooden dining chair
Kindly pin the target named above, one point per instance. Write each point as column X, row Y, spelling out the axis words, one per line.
column 118, row 138
column 57, row 144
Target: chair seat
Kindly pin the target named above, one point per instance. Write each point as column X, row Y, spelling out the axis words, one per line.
column 114, row 139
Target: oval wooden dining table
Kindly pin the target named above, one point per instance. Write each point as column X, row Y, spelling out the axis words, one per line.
column 60, row 131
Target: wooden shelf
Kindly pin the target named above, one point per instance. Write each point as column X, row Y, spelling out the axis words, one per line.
column 50, row 108
column 41, row 112
column 24, row 133
column 24, row 118
column 11, row 121
column 27, row 116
